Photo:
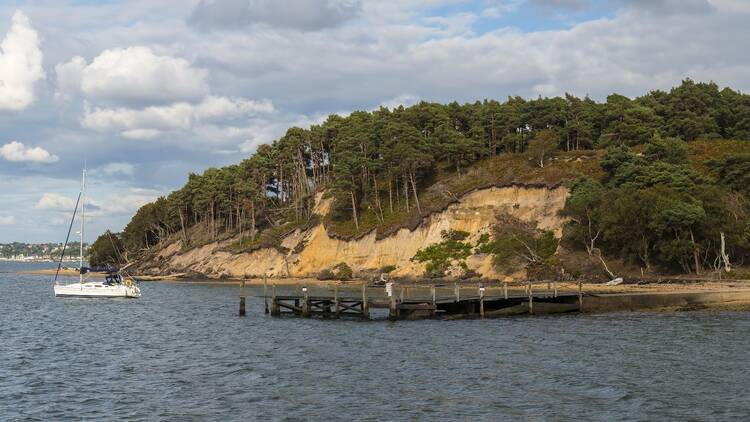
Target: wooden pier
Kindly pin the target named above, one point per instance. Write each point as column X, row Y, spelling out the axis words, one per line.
column 420, row 301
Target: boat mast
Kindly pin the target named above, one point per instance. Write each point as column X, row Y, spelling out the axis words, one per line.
column 83, row 218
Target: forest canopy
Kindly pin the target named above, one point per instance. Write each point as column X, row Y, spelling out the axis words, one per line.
column 375, row 166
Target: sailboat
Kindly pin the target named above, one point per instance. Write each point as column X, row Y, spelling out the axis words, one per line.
column 113, row 285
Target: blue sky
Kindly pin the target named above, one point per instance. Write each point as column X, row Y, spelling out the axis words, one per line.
column 146, row 91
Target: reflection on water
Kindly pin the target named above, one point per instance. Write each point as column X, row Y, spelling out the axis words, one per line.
column 181, row 353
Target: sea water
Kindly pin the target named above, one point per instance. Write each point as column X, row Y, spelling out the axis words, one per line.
column 181, row 353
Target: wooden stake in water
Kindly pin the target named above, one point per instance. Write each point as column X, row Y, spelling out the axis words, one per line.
column 305, row 303
column 365, row 306
column 336, row 299
column 580, row 297
column 265, row 292
column 242, row 298
column 531, row 300
column 481, row 302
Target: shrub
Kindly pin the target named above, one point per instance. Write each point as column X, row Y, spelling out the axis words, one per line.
column 439, row 256
column 343, row 271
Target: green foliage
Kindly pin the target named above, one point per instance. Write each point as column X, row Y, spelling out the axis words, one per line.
column 515, row 241
column 380, row 167
column 656, row 209
column 543, row 146
column 733, row 172
column 106, row 251
column 343, row 271
column 669, row 150
column 440, row 256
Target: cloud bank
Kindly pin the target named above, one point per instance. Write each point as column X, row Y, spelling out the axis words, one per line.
column 20, row 64
column 18, row 152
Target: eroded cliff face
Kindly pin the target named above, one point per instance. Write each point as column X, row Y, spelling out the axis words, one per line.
column 474, row 213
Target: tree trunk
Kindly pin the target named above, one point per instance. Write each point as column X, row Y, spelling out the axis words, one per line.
column 354, row 211
column 390, row 194
column 695, row 255
column 724, row 255
column 414, row 187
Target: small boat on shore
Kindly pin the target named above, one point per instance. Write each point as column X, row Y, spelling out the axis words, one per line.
column 113, row 284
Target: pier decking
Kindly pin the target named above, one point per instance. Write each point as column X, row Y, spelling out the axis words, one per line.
column 442, row 301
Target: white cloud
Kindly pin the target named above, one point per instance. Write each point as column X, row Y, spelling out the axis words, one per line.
column 20, row 64
column 55, row 201
column 120, row 168
column 7, row 220
column 16, row 151
column 305, row 15
column 133, row 75
column 150, row 122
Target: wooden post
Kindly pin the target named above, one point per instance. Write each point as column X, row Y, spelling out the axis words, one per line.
column 305, row 303
column 393, row 311
column 401, row 295
column 505, row 290
column 580, row 297
column 531, row 299
column 481, row 302
column 457, row 292
column 336, row 300
column 275, row 308
column 549, row 288
column 265, row 291
column 554, row 285
column 365, row 306
column 434, row 301
column 242, row 298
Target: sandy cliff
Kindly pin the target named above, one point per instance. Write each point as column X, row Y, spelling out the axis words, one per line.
column 316, row 250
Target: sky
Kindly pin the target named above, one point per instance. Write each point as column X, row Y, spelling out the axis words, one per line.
column 143, row 92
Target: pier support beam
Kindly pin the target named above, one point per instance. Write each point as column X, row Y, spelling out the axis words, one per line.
column 580, row 297
column 242, row 298
column 275, row 309
column 481, row 302
column 531, row 299
column 337, row 308
column 305, row 303
column 365, row 305
column 265, row 291
column 434, row 302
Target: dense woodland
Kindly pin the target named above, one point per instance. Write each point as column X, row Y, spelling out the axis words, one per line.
column 651, row 206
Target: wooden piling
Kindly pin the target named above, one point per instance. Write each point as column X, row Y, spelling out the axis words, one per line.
column 365, row 306
column 457, row 292
column 242, row 298
column 554, row 286
column 393, row 313
column 531, row 299
column 434, row 301
column 336, row 300
column 305, row 303
column 481, row 302
column 580, row 297
column 505, row 290
column 275, row 308
column 265, row 291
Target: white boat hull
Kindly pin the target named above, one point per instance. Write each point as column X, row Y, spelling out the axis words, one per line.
column 97, row 289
